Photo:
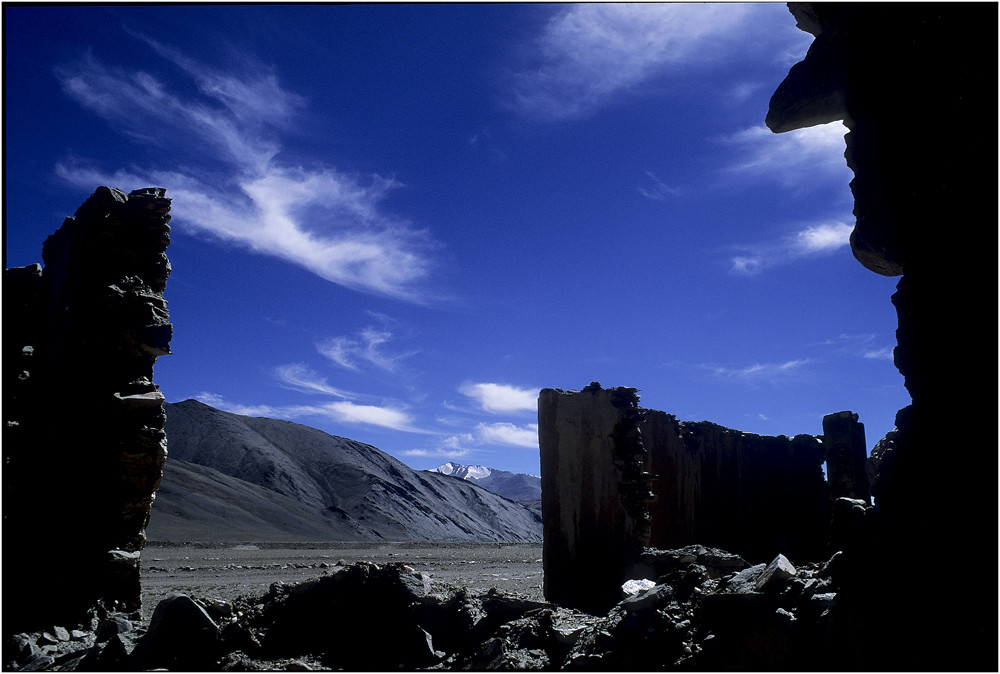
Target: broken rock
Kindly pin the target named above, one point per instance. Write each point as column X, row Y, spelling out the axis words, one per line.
column 779, row 569
column 181, row 636
column 635, row 586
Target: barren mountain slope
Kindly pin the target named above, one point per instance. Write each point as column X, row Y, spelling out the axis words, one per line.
column 360, row 491
column 198, row 503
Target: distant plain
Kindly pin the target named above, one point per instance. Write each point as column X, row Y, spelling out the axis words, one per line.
column 227, row 570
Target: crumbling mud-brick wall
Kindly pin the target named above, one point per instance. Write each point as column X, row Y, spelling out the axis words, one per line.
column 617, row 479
column 750, row 494
column 84, row 441
column 594, row 491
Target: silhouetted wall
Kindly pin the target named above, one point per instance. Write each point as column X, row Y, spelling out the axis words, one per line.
column 749, row 494
column 593, row 507
column 617, row 478
column 83, row 440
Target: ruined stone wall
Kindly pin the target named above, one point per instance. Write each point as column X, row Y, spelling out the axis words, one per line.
column 83, row 441
column 592, row 493
column 617, row 478
column 750, row 494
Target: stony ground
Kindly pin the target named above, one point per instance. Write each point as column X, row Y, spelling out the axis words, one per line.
column 707, row 610
column 227, row 570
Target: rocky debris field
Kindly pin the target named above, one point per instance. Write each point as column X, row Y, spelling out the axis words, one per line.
column 701, row 609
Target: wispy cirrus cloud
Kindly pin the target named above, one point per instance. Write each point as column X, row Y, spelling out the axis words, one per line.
column 500, row 398
column 859, row 346
column 233, row 116
column 589, row 52
column 807, row 242
column 394, row 418
column 298, row 377
column 217, row 401
column 761, row 372
column 440, row 452
column 483, row 435
column 235, row 188
column 451, row 447
column 657, row 190
column 793, row 159
column 349, row 352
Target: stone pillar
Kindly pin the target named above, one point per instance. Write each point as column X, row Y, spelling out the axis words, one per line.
column 917, row 87
column 84, row 441
column 846, row 456
column 594, row 490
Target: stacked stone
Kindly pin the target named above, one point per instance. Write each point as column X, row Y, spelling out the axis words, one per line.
column 94, row 321
column 846, row 456
column 631, row 459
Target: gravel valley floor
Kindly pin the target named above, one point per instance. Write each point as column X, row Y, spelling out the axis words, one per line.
column 227, row 570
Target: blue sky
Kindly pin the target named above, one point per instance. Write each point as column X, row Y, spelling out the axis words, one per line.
column 397, row 223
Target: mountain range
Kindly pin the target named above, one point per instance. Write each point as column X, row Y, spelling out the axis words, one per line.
column 230, row 477
column 521, row 487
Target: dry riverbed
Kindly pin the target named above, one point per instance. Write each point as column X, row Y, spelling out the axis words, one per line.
column 227, row 570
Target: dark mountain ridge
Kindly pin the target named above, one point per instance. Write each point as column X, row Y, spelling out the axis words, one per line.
column 229, row 474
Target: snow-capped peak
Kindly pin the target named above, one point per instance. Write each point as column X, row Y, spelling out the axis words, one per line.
column 465, row 472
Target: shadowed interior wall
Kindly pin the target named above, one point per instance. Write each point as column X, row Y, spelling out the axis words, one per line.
column 750, row 494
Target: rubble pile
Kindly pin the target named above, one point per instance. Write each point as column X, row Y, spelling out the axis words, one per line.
column 707, row 610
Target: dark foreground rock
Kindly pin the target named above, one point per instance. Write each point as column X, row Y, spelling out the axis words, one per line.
column 706, row 610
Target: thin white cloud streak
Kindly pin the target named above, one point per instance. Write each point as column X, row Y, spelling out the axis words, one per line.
column 589, row 52
column 349, row 351
column 501, row 398
column 217, row 401
column 793, row 159
column 860, row 346
column 324, row 220
column 808, row 242
column 499, row 433
column 386, row 417
column 300, row 378
column 504, row 433
column 346, row 412
column 659, row 190
column 451, row 447
column 436, row 453
column 141, row 105
column 761, row 372
column 259, row 99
